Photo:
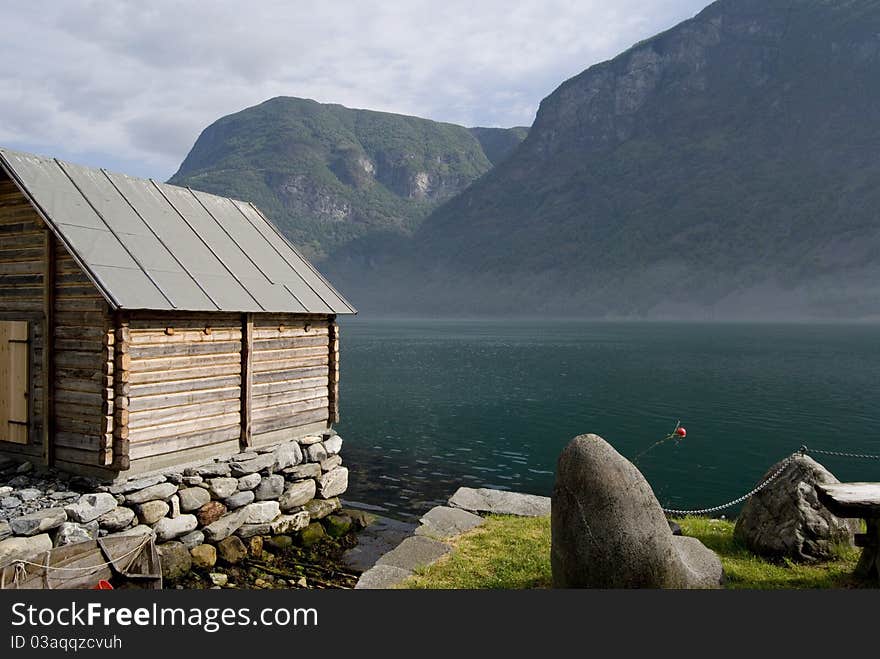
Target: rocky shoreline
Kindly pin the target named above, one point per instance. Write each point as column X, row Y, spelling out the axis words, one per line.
column 280, row 498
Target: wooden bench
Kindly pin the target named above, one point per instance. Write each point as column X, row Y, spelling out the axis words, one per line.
column 858, row 500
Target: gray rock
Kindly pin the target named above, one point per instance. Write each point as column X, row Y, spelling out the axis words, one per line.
column 213, row 470
column 218, row 578
column 290, row 523
column 193, row 498
column 192, row 539
column 135, row 485
column 500, row 502
column 245, row 467
column 297, row 494
column 443, row 522
column 5, row 529
column 169, row 528
column 287, row 455
column 249, row 482
column 175, row 560
column 331, row 462
column 174, row 504
column 320, row 508
column 608, row 530
column 239, row 499
column 250, row 530
column 262, row 512
column 174, row 477
column 333, row 483
column 70, row 533
column 10, row 502
column 244, row 456
column 39, row 521
column 192, row 481
column 90, row 507
column 140, row 529
column 786, row 519
column 5, row 490
column 58, row 496
column 151, row 512
column 303, row 471
column 333, row 445
column 153, row 493
column 308, row 441
column 29, row 494
column 382, row 577
column 232, row 550
column 222, row 487
column 415, row 552
column 271, row 487
column 315, row 453
column 225, row 526
column 16, row 549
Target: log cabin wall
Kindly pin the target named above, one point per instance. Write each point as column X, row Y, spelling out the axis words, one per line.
column 184, row 393
column 290, row 376
column 22, row 278
column 42, row 284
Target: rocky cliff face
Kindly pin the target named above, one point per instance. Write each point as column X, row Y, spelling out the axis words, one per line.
column 328, row 174
column 724, row 168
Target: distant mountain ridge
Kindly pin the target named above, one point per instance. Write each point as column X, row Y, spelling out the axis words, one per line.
column 328, row 174
column 725, row 168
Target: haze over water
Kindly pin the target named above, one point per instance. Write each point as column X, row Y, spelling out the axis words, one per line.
column 430, row 405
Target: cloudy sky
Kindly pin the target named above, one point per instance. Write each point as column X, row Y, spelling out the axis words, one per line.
column 129, row 85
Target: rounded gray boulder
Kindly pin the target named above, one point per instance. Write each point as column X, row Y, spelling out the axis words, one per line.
column 608, row 530
column 786, row 519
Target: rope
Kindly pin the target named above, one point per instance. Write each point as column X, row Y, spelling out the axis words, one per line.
column 21, row 572
column 803, row 450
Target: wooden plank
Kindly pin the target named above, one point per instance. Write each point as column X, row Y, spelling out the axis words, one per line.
column 850, row 499
column 185, row 336
column 177, row 375
column 185, row 349
column 121, row 375
column 272, row 400
column 246, row 389
column 291, row 354
column 289, row 410
column 48, row 407
column 179, row 443
column 260, row 427
column 333, row 374
column 289, row 365
column 185, row 363
column 183, row 386
column 290, row 385
column 290, row 374
column 183, row 427
column 139, row 403
column 14, row 384
column 150, row 418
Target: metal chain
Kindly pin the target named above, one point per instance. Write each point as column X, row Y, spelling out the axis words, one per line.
column 842, row 454
column 801, row 451
column 730, row 504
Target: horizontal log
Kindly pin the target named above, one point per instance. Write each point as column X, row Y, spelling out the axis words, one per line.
column 22, row 268
column 198, row 397
column 289, row 320
column 291, row 354
column 290, row 409
column 23, row 240
column 13, row 304
column 88, row 413
column 152, row 321
column 79, row 456
column 79, row 359
column 84, row 398
column 289, row 385
column 80, row 304
column 94, row 424
column 151, row 337
column 29, row 254
column 150, row 418
column 79, row 333
column 291, row 343
column 183, row 427
column 64, row 375
column 289, row 375
column 270, row 334
column 260, row 426
column 182, row 386
column 290, row 365
column 179, row 443
column 185, row 363
column 82, row 318
column 85, row 442
column 189, row 349
column 273, row 400
column 141, row 376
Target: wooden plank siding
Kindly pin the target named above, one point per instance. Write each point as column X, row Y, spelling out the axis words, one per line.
column 291, row 385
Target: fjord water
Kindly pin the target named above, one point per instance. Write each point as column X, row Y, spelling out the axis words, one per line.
column 430, row 405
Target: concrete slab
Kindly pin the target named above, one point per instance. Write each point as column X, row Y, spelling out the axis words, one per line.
column 415, row 552
column 443, row 522
column 499, row 502
column 381, row 577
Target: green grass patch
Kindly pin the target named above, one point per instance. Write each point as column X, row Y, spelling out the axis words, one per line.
column 514, row 553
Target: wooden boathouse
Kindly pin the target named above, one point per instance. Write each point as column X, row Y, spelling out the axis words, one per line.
column 145, row 326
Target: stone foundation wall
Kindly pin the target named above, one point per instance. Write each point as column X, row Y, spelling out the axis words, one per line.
column 194, row 514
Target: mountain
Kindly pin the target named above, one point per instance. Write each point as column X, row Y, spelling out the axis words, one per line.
column 329, row 175
column 725, row 168
column 497, row 143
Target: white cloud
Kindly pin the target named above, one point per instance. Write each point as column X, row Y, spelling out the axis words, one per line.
column 131, row 84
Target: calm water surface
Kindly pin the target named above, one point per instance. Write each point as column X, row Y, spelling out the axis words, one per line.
column 430, row 405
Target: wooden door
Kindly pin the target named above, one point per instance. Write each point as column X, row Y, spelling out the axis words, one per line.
column 14, row 359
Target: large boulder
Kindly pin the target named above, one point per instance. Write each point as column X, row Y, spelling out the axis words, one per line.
column 608, row 530
column 786, row 520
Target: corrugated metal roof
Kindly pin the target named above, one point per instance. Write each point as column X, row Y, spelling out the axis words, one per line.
column 150, row 245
